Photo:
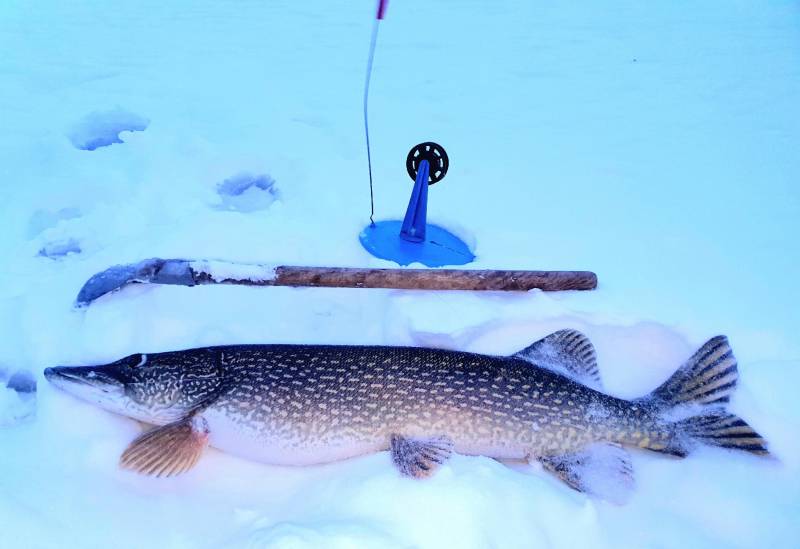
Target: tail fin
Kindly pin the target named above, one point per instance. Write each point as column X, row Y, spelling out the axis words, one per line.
column 709, row 377
column 707, row 380
column 724, row 430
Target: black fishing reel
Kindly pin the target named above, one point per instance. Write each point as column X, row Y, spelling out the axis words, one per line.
column 436, row 157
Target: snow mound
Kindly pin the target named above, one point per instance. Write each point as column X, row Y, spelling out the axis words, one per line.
column 41, row 220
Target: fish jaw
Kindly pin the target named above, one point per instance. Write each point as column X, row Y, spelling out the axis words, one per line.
column 96, row 385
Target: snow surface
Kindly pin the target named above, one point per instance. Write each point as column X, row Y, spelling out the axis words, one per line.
column 655, row 143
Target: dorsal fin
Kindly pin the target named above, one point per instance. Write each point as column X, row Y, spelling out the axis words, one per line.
column 567, row 352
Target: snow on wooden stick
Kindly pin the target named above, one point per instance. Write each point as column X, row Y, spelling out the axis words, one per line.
column 195, row 272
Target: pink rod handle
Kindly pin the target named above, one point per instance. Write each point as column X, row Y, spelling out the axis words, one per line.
column 382, row 8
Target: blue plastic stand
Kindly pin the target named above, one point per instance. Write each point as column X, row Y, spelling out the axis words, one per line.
column 413, row 240
column 414, row 223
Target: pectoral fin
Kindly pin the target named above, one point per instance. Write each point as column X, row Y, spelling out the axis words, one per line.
column 169, row 450
column 419, row 457
column 603, row 470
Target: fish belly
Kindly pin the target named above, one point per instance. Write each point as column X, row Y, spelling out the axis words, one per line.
column 297, row 445
column 285, row 444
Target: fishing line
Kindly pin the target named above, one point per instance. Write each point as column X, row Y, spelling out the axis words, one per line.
column 379, row 15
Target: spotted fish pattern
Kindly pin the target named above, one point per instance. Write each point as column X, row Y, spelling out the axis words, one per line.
column 306, row 404
column 303, row 398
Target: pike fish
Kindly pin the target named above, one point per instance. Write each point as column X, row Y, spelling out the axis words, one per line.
column 311, row 404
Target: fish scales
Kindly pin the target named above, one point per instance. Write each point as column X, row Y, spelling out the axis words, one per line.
column 302, row 401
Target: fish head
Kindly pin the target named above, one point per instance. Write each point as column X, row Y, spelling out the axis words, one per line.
column 155, row 388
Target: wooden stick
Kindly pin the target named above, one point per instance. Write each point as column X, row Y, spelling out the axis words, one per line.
column 435, row 279
column 191, row 273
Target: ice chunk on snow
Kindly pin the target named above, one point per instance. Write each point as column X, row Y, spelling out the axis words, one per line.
column 222, row 270
column 101, row 129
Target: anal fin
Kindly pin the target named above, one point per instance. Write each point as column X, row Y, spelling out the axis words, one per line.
column 419, row 457
column 603, row 470
column 169, row 450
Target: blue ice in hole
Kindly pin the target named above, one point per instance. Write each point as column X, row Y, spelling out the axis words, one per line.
column 102, row 128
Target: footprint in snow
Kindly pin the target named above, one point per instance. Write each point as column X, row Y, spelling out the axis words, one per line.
column 42, row 220
column 247, row 193
column 17, row 397
column 60, row 248
column 22, row 381
column 102, row 128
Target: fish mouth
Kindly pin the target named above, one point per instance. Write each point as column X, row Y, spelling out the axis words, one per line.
column 75, row 377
